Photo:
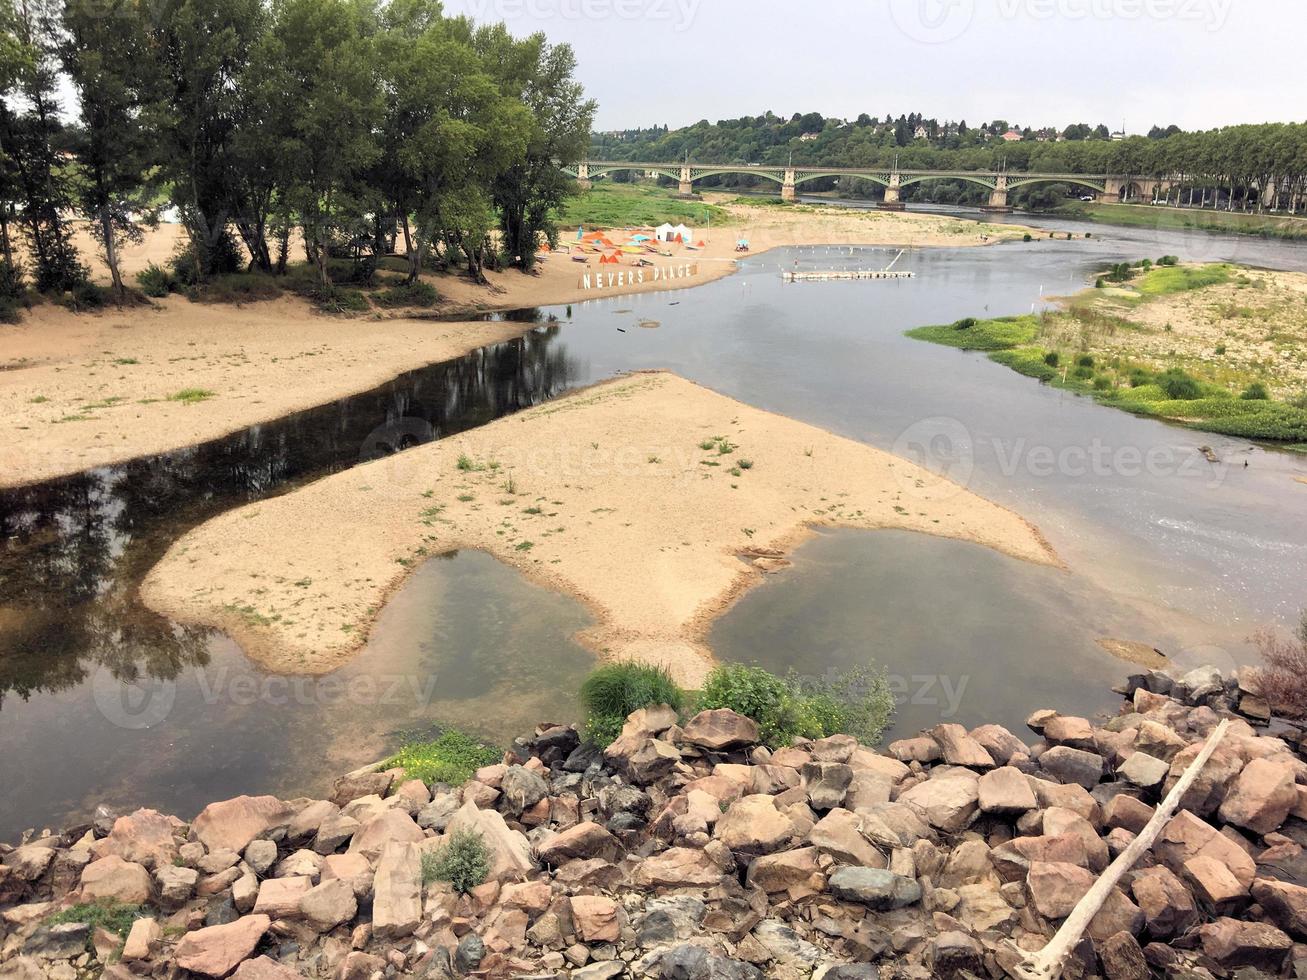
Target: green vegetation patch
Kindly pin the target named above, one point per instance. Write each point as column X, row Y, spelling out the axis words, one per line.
column 969, row 333
column 189, row 396
column 613, row 691
column 463, row 861
column 113, row 916
column 612, row 205
column 452, row 758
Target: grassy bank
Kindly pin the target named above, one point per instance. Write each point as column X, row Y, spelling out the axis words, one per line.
column 1149, row 216
column 609, row 205
column 1105, row 345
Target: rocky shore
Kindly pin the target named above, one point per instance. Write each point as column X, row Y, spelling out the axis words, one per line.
column 688, row 851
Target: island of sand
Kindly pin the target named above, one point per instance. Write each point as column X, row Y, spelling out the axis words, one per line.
column 654, row 501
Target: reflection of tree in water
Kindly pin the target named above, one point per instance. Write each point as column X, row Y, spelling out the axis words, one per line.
column 73, row 551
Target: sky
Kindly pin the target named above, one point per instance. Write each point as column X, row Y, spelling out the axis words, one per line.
column 1197, row 64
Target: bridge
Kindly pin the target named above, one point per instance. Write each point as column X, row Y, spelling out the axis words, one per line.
column 1107, row 189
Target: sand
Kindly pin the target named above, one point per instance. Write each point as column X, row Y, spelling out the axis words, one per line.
column 606, row 494
column 85, row 390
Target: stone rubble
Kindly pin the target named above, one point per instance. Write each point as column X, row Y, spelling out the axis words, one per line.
column 688, row 851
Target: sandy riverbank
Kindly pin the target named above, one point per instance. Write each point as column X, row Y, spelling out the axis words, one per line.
column 85, row 390
column 608, row 494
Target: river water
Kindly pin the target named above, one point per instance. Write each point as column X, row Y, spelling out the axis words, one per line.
column 103, row 701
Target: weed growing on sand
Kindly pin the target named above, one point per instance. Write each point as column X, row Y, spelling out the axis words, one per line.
column 744, row 464
column 613, row 691
column 463, row 861
column 524, row 545
column 190, row 396
column 452, row 758
column 38, row 400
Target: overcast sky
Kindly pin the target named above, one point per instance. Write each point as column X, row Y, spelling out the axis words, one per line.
column 1195, row 63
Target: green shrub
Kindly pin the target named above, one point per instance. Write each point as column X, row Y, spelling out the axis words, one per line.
column 613, row 691
column 1255, row 392
column 1026, row 237
column 1169, row 260
column 452, row 758
column 463, row 861
column 108, row 914
column 966, row 323
column 1100, row 282
column 1140, row 376
column 1179, row 385
column 857, row 702
column 1052, row 358
column 1085, row 360
column 1102, row 382
column 1220, row 349
column 1082, row 373
column 340, row 300
column 155, row 280
column 418, row 293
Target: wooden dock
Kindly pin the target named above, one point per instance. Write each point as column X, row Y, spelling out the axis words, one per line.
column 833, row 275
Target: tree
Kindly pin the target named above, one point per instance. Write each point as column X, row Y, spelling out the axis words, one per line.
column 324, row 68
column 40, row 175
column 539, row 77
column 105, row 53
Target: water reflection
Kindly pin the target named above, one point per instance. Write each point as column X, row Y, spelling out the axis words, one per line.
column 73, row 550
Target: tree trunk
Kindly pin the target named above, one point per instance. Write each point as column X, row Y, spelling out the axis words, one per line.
column 111, row 254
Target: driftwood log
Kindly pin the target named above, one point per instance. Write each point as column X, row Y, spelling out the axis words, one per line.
column 1048, row 962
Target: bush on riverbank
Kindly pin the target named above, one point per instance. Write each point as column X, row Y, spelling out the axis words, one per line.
column 452, row 758
column 464, row 862
column 1148, row 216
column 613, row 691
column 1002, row 333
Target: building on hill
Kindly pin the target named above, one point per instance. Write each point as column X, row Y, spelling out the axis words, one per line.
column 1011, row 136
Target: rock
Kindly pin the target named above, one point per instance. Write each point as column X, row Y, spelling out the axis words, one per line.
column 327, row 905
column 300, row 864
column 29, row 862
column 111, row 879
column 176, row 885
column 263, row 968
column 388, row 826
column 57, row 942
column 959, row 748
column 923, row 749
column 643, row 760
column 650, row 722
column 873, row 887
column 753, row 825
column 1260, row 798
column 1069, row 730
column 1006, row 791
column 720, row 730
column 1118, row 914
column 234, row 823
column 305, row 824
column 141, row 940
column 435, row 815
column 360, row 784
column 1122, row 958
column 796, row 872
column 216, row 950
column 522, row 789
column 1127, row 812
column 826, row 783
column 1056, row 888
column 1285, row 904
column 397, row 891
column 687, row 962
column 948, row 800
column 785, row 945
column 335, row 831
column 1214, row 884
column 144, row 837
column 510, row 852
column 595, row 919
column 954, row 954
column 1168, row 906
column 261, row 855
column 353, row 869
column 1145, row 771
column 600, row 971
column 585, row 840
column 1234, row 944
column 678, row 867
column 469, row 953
column 244, row 893
column 839, row 834
column 1069, row 765
column 1185, row 837
column 279, row 898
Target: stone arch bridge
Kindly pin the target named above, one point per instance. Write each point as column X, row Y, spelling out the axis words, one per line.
column 1106, row 189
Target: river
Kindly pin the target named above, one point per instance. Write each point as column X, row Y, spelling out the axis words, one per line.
column 102, row 701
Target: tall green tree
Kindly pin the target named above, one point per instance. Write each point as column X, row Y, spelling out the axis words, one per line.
column 323, row 53
column 12, row 54
column 540, row 77
column 105, row 53
column 33, row 137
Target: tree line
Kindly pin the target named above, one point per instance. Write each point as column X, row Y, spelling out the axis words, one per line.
column 1246, row 166
column 352, row 122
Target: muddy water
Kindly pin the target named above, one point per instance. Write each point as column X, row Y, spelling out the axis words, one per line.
column 103, row 700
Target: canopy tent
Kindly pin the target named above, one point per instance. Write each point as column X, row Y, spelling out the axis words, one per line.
column 684, row 233
column 665, row 232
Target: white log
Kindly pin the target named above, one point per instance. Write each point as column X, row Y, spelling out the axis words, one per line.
column 1048, row 962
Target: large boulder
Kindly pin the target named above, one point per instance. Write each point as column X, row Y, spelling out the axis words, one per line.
column 522, row 789
column 279, row 898
column 1185, row 837
column 1068, row 765
column 1006, row 791
column 720, row 730
column 796, row 872
column 947, row 801
column 390, row 825
column 232, row 824
column 839, row 834
column 397, row 891
column 585, row 840
column 1234, row 945
column 327, row 905
column 679, row 867
column 1169, row 908
column 1260, row 797
column 595, row 918
column 216, row 950
column 1055, row 889
column 874, row 887
column 753, row 825
column 144, row 837
column 111, row 879
column 959, row 748
column 1285, row 904
column 510, row 852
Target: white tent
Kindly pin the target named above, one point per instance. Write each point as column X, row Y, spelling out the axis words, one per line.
column 687, row 234
column 665, row 233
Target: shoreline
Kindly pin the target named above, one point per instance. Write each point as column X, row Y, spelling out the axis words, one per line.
column 64, row 368
column 534, row 494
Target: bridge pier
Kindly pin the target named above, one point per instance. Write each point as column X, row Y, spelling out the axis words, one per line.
column 687, row 188
column 893, row 201
column 789, row 193
column 998, row 197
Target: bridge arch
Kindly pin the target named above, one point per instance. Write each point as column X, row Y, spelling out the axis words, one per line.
column 1098, row 186
column 673, row 173
column 982, row 180
column 804, row 176
column 778, row 175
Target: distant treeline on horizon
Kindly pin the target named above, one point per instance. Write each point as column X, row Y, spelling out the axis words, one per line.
column 1237, row 161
